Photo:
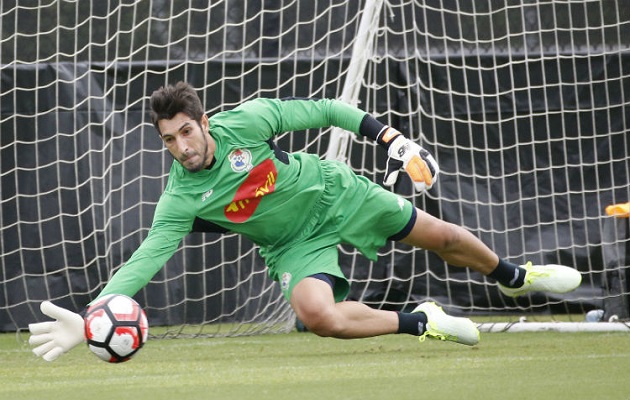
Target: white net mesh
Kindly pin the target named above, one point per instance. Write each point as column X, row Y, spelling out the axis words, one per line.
column 524, row 105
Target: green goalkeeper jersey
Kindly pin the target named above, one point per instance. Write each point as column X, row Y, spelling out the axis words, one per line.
column 252, row 188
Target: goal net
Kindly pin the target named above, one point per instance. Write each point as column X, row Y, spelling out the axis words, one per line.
column 524, row 104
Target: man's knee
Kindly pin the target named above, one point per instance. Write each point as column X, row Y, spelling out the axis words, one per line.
column 321, row 321
column 314, row 304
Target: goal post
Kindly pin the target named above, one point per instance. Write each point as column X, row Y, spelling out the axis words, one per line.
column 525, row 106
column 359, row 58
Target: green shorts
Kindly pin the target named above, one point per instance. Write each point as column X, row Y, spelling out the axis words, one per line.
column 352, row 210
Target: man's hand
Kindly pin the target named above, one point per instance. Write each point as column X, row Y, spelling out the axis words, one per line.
column 419, row 164
column 53, row 338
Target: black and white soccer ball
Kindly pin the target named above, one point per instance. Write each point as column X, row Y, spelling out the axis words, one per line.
column 116, row 327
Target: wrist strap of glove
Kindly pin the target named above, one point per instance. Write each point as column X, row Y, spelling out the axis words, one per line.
column 379, row 132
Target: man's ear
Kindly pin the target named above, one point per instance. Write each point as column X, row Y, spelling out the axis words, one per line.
column 205, row 124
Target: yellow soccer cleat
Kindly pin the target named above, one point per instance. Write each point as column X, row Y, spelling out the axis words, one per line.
column 445, row 327
column 550, row 278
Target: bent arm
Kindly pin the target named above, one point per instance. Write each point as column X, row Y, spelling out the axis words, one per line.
column 403, row 153
column 305, row 114
column 269, row 117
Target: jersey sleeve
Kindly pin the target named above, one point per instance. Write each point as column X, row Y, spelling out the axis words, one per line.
column 165, row 235
column 269, row 117
column 305, row 114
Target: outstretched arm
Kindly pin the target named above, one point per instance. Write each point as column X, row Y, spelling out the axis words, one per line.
column 51, row 339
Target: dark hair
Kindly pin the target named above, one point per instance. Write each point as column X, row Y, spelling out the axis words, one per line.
column 170, row 100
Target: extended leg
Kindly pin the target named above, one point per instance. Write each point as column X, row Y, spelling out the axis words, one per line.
column 313, row 302
column 458, row 247
column 452, row 243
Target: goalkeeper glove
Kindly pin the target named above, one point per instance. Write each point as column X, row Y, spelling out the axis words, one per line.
column 405, row 154
column 53, row 338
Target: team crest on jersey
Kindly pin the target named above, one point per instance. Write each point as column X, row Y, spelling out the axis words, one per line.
column 240, row 160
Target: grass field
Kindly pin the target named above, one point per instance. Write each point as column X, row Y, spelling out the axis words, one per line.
column 539, row 366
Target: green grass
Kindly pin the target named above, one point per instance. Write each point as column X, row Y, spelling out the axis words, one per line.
column 544, row 365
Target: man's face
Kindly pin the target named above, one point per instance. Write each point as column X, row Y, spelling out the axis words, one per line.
column 188, row 141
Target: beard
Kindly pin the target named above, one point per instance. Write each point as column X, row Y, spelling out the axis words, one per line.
column 203, row 157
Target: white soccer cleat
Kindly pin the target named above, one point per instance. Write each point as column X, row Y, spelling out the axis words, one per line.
column 546, row 278
column 445, row 327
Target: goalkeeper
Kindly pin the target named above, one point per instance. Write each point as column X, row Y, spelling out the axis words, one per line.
column 229, row 176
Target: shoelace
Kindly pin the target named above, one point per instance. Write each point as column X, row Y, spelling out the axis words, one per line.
column 531, row 274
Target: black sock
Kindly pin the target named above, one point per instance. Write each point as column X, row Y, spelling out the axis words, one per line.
column 412, row 323
column 508, row 274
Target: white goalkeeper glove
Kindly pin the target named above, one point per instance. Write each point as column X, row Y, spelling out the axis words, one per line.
column 53, row 338
column 416, row 161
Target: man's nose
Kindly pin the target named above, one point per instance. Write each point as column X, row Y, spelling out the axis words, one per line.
column 182, row 145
